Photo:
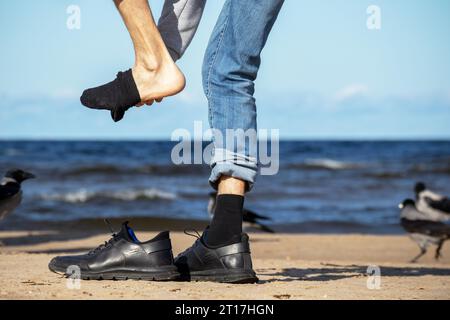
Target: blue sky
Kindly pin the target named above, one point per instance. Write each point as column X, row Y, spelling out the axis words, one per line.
column 324, row 74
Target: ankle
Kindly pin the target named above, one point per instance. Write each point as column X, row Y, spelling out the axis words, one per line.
column 152, row 63
column 147, row 65
column 158, row 80
column 231, row 185
column 226, row 225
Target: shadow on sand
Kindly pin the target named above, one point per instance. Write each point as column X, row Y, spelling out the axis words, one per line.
column 332, row 272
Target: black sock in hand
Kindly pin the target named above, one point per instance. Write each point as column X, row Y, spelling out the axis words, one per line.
column 117, row 96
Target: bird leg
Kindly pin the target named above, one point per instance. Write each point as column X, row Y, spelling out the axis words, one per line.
column 422, row 252
column 438, row 250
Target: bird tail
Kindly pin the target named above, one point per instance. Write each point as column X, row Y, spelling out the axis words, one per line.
column 252, row 215
column 261, row 217
column 265, row 228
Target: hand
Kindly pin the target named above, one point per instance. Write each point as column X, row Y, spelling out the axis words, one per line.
column 148, row 103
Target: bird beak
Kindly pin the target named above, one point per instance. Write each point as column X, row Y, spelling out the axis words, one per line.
column 400, row 206
column 28, row 175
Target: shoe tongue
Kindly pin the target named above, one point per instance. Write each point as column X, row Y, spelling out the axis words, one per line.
column 127, row 233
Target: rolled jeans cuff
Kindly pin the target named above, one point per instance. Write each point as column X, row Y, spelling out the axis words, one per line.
column 227, row 163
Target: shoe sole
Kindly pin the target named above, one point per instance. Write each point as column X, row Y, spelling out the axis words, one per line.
column 235, row 277
column 163, row 274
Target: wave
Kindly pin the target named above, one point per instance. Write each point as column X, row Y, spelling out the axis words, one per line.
column 385, row 175
column 11, row 152
column 164, row 169
column 408, row 172
column 94, row 169
column 437, row 169
column 441, row 167
column 84, row 196
column 327, row 164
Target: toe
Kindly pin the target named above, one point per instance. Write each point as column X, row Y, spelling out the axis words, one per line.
column 88, row 99
column 56, row 264
column 84, row 99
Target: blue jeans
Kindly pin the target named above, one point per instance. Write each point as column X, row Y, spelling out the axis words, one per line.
column 230, row 67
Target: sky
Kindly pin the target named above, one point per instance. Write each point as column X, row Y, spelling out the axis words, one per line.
column 324, row 74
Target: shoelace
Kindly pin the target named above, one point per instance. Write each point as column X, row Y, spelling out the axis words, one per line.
column 107, row 243
column 195, row 234
column 108, row 223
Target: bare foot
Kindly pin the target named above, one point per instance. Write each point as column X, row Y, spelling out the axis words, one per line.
column 157, row 83
column 152, row 79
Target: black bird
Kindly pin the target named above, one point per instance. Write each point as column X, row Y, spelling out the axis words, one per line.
column 434, row 205
column 250, row 218
column 10, row 190
column 422, row 230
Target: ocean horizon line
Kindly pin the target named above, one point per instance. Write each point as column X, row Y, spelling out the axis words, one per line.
column 318, row 139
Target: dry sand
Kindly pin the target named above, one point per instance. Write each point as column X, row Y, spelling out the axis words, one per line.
column 289, row 267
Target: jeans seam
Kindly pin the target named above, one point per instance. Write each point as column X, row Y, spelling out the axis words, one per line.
column 213, row 60
column 210, row 67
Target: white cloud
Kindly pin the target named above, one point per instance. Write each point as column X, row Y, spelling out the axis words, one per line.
column 351, row 91
column 189, row 97
column 66, row 93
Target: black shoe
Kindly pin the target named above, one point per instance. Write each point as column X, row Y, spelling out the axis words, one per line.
column 123, row 257
column 230, row 264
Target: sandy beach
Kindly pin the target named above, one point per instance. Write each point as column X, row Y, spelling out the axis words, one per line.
column 290, row 266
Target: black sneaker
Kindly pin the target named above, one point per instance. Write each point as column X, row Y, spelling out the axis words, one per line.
column 123, row 257
column 230, row 264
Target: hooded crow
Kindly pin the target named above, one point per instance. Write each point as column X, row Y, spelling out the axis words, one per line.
column 10, row 190
column 250, row 218
column 422, row 230
column 434, row 205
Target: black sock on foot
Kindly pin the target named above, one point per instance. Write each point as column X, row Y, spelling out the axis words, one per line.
column 117, row 96
column 226, row 225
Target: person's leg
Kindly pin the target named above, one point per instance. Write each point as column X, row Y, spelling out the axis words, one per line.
column 226, row 224
column 178, row 24
column 154, row 71
column 230, row 185
column 230, row 68
column 154, row 74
